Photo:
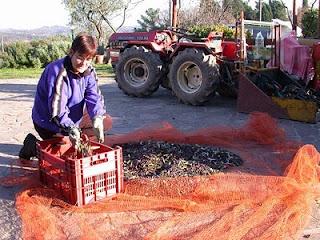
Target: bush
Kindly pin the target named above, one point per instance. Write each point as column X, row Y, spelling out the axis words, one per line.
column 309, row 23
column 58, row 49
column 38, row 54
column 17, row 53
column 6, row 61
column 203, row 31
column 35, row 54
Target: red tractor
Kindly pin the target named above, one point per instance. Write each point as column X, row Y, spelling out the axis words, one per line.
column 193, row 68
column 190, row 67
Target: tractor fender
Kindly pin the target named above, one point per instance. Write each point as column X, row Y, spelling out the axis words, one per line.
column 184, row 45
column 116, row 52
column 154, row 47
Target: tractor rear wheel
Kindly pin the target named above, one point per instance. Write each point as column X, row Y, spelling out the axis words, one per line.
column 138, row 71
column 194, row 76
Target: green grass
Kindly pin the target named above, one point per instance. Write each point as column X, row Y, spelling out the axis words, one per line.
column 12, row 73
column 103, row 70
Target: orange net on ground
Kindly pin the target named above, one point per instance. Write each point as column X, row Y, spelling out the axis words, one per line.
column 269, row 197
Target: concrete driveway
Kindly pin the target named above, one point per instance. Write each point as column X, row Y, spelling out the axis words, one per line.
column 16, row 100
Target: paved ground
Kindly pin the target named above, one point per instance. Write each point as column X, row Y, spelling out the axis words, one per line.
column 16, row 98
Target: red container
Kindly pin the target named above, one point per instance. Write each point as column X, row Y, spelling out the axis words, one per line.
column 82, row 180
column 229, row 50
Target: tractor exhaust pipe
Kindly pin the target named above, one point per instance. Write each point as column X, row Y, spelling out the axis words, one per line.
column 174, row 14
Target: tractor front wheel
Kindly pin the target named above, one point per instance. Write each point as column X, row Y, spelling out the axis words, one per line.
column 138, row 71
column 194, row 76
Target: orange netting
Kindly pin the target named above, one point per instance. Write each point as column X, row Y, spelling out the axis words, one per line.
column 269, row 197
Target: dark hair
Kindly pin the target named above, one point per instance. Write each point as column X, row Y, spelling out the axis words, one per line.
column 85, row 44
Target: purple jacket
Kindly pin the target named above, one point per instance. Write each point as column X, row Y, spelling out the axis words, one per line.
column 61, row 96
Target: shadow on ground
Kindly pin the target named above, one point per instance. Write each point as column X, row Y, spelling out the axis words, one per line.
column 16, row 92
column 10, row 149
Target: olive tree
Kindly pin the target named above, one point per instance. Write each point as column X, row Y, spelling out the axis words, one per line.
column 151, row 20
column 206, row 12
column 96, row 16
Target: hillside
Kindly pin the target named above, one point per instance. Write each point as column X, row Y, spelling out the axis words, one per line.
column 10, row 35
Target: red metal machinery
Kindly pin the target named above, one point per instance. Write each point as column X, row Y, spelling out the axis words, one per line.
column 195, row 69
column 189, row 66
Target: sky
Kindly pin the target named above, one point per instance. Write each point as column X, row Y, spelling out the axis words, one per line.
column 29, row 14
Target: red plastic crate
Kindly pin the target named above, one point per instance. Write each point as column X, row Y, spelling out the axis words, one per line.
column 80, row 180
